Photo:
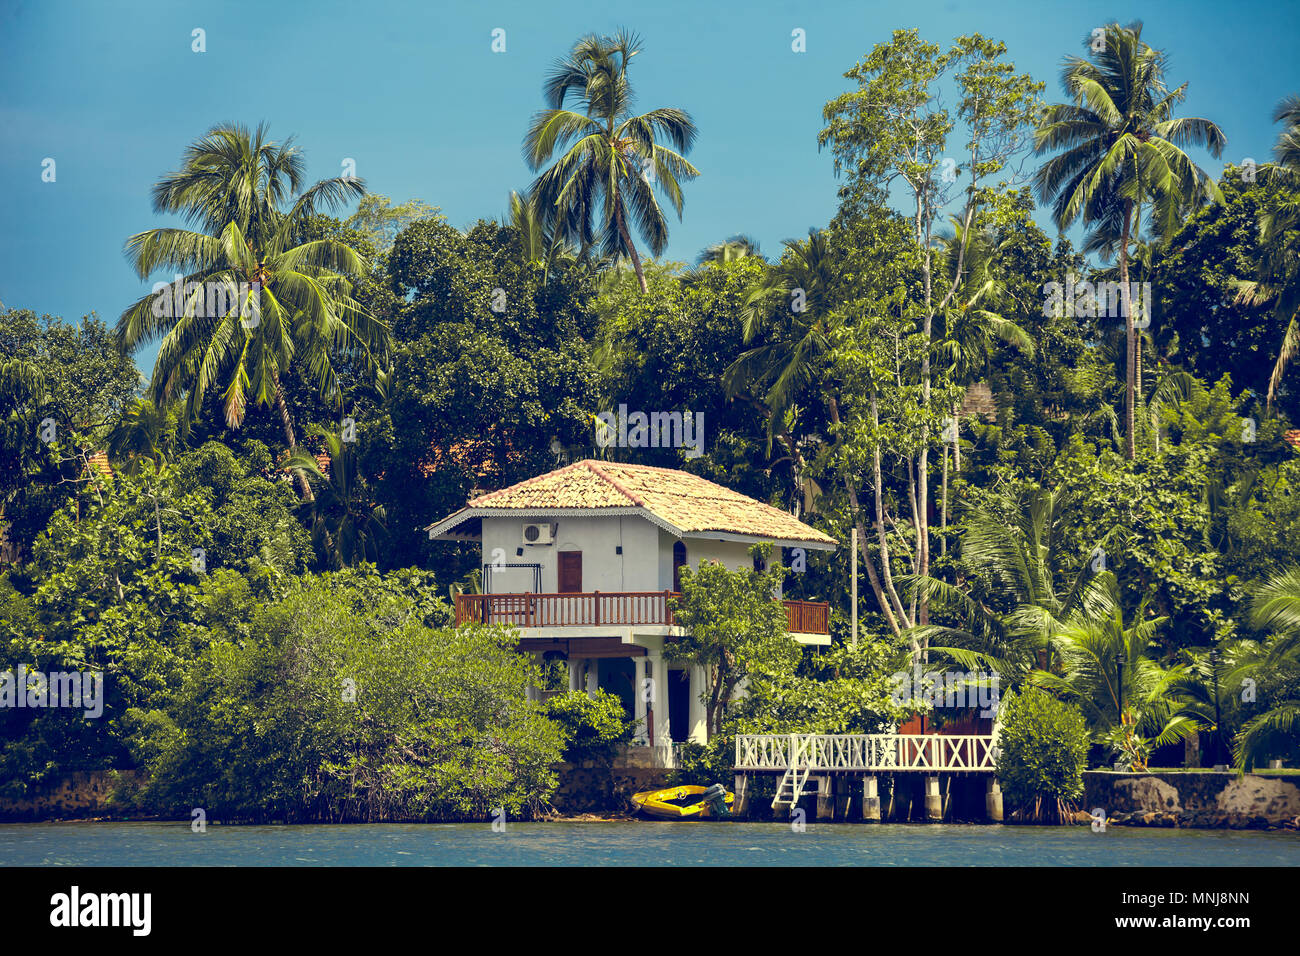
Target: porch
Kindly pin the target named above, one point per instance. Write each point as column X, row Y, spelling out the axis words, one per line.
column 612, row 609
column 662, row 696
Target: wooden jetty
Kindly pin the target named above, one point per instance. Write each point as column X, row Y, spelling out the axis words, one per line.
column 860, row 759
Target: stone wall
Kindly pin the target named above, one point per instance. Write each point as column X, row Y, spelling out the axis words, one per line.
column 597, row 788
column 80, row 794
column 1194, row 798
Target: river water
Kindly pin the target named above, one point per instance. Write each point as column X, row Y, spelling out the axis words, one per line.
column 635, row 844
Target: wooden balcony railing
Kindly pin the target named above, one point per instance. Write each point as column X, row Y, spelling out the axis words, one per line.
column 807, row 617
column 593, row 608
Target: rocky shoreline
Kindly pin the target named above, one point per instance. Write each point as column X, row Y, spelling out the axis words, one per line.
column 1192, row 820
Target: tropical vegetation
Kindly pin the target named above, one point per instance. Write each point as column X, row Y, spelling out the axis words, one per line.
column 1103, row 507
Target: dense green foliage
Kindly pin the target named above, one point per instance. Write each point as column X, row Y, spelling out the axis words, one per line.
column 348, row 707
column 730, row 623
column 1043, row 753
column 591, row 726
column 1060, row 495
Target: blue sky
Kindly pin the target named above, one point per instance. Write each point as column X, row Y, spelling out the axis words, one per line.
column 412, row 91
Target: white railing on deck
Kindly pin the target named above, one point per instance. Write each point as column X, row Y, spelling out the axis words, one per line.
column 937, row 752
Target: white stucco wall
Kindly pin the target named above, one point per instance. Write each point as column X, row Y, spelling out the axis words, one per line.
column 646, row 563
column 732, row 554
column 603, row 569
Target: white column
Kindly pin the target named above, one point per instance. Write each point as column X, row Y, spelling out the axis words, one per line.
column 698, row 719
column 593, row 677
column 659, row 699
column 575, row 673
column 638, row 699
column 663, row 727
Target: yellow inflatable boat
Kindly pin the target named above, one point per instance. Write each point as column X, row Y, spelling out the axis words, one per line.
column 685, row 803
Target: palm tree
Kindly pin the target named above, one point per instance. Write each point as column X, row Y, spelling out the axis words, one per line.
column 732, row 249
column 1120, row 147
column 347, row 524
column 969, row 327
column 286, row 303
column 1279, row 262
column 1173, row 390
column 21, row 378
column 541, row 243
column 1023, row 585
column 790, row 310
column 1165, row 216
column 144, row 432
column 729, row 250
column 1275, row 607
column 610, row 172
column 1130, row 701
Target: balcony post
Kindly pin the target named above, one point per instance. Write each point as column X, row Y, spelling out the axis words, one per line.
column 596, row 601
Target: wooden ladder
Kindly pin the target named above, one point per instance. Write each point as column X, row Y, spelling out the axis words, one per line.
column 791, row 787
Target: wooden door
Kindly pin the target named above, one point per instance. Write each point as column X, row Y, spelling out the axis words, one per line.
column 570, row 571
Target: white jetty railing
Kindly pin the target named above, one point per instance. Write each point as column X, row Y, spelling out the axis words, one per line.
column 864, row 752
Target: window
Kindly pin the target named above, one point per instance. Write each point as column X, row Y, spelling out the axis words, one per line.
column 679, row 559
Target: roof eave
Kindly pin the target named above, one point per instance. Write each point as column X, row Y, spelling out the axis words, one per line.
column 788, row 542
column 440, row 529
column 444, row 530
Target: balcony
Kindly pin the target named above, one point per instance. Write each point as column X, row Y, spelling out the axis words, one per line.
column 614, row 608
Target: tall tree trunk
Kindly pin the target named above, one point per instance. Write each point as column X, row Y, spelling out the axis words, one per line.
column 956, row 437
column 1126, row 298
column 1137, row 360
column 879, row 502
column 922, row 495
column 956, row 467
column 885, row 594
column 299, row 479
column 1137, row 332
column 627, row 240
column 797, row 465
column 943, row 522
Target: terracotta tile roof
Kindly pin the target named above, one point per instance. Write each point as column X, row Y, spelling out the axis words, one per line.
column 474, row 455
column 1292, row 437
column 99, row 461
column 979, row 400
column 685, row 502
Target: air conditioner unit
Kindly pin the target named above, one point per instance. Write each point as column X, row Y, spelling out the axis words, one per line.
column 539, row 534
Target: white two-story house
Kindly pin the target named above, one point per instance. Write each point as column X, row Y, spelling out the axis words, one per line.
column 584, row 560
